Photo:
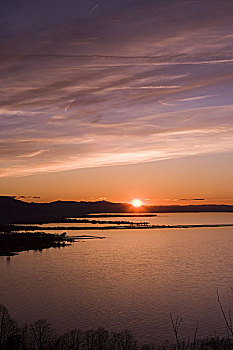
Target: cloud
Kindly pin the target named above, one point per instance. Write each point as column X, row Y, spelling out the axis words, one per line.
column 124, row 83
column 24, row 197
column 192, row 199
column 193, row 98
column 31, row 154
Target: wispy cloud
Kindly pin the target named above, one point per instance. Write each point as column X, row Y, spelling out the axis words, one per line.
column 95, row 7
column 24, row 197
column 192, row 199
column 125, row 84
column 31, row 154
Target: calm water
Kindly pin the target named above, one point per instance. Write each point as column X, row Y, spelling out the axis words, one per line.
column 131, row 279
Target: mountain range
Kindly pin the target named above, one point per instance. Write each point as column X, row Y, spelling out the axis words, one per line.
column 17, row 211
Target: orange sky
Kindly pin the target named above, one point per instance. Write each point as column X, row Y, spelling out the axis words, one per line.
column 178, row 181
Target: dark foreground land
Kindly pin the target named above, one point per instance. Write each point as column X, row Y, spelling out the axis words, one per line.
column 40, row 336
column 10, row 243
column 13, row 242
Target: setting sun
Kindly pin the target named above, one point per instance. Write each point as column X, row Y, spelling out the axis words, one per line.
column 136, row 203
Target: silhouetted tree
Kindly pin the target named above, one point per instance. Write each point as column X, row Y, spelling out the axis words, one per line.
column 123, row 341
column 72, row 340
column 40, row 335
column 8, row 330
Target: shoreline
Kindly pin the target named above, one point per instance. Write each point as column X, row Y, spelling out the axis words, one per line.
column 13, row 243
column 31, row 228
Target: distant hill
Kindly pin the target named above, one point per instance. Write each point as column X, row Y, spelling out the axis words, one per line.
column 17, row 211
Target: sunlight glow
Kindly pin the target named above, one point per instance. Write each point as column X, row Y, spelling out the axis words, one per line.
column 136, row 203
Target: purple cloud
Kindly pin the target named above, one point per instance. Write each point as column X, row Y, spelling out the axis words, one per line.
column 118, row 83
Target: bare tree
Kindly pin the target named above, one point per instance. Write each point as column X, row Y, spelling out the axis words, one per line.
column 72, row 340
column 8, row 328
column 176, row 326
column 40, row 334
column 228, row 321
column 123, row 340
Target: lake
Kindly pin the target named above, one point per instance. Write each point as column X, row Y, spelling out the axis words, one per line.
column 131, row 279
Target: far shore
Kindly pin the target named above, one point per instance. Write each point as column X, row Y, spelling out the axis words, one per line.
column 133, row 226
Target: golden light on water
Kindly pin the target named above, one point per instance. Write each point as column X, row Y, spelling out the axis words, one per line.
column 136, row 203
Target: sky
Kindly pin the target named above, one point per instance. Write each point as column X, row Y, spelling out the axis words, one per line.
column 117, row 100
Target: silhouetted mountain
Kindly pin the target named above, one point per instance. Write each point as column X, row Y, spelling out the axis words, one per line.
column 17, row 211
